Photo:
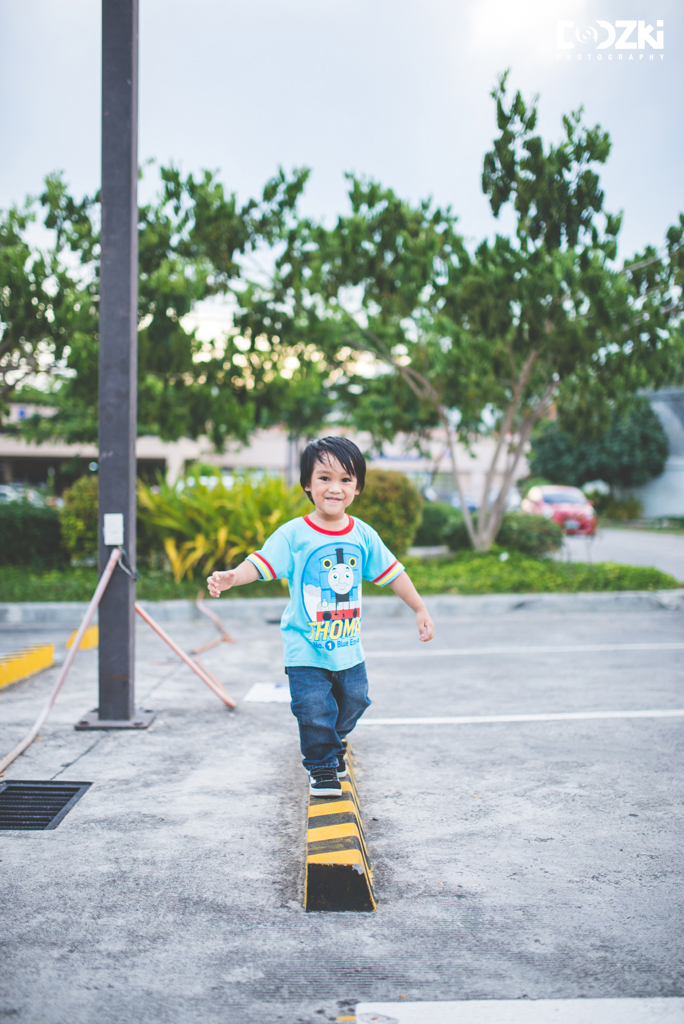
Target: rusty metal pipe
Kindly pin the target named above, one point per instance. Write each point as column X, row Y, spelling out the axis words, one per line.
column 225, row 635
column 215, row 686
column 68, row 661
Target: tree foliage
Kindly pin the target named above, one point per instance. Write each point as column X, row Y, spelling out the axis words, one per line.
column 481, row 342
column 194, row 243
column 628, row 454
column 39, row 298
column 386, row 319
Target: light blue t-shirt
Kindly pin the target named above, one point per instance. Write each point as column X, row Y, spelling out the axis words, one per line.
column 321, row 625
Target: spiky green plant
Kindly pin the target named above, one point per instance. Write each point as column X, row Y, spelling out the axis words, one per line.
column 204, row 524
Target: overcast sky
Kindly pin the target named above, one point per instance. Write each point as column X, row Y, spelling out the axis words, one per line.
column 394, row 89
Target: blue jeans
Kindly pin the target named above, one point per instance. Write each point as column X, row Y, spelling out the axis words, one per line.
column 327, row 706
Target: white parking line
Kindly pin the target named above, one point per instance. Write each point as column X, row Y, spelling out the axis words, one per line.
column 269, row 693
column 560, row 716
column 526, row 1011
column 455, row 652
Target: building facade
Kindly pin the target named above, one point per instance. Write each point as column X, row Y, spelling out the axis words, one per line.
column 664, row 495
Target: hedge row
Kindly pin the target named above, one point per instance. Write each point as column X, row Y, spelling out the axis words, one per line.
column 30, row 535
column 197, row 515
column 390, row 503
column 471, row 573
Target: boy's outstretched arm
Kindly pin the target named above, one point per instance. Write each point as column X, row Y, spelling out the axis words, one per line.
column 404, row 589
column 246, row 572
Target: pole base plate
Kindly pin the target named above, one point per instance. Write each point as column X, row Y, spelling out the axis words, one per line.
column 92, row 720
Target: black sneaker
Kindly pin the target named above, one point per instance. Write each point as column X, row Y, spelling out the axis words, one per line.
column 324, row 782
column 341, row 768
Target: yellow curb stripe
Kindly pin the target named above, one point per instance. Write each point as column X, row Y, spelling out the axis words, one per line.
column 91, row 638
column 26, row 662
column 342, row 857
column 332, row 832
column 332, row 807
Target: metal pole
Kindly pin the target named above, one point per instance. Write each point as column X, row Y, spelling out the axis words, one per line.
column 118, row 355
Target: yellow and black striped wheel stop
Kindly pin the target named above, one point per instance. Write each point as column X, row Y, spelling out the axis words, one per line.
column 338, row 871
column 25, row 662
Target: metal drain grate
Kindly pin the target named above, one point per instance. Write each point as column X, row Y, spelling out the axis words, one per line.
column 37, row 805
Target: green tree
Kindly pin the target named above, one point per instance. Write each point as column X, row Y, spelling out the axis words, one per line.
column 39, row 300
column 628, row 454
column 194, row 243
column 483, row 342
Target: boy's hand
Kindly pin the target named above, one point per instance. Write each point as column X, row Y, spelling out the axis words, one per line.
column 426, row 626
column 404, row 589
column 219, row 581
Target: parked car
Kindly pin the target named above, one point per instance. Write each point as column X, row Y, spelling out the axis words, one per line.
column 9, row 493
column 566, row 506
column 19, row 492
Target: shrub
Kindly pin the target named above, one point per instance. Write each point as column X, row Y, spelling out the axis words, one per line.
column 30, row 535
column 438, row 518
column 623, row 509
column 599, row 500
column 531, row 535
column 78, row 518
column 204, row 525
column 392, row 506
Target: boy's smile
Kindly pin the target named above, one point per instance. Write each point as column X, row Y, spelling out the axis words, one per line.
column 332, row 489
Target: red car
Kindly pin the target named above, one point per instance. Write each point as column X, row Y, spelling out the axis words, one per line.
column 566, row 506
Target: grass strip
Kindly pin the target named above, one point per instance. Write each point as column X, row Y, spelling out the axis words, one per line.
column 472, row 573
column 464, row 573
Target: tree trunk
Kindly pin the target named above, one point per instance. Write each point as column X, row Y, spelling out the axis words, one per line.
column 451, row 441
column 496, row 514
column 489, row 520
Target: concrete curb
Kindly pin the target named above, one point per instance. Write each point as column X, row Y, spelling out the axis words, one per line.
column 24, row 663
column 69, row 613
column 338, row 871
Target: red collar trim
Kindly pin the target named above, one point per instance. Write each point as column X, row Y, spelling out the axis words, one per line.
column 331, row 533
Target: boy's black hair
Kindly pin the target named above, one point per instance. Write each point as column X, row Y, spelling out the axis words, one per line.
column 346, row 453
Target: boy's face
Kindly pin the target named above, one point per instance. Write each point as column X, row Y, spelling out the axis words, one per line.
column 332, row 487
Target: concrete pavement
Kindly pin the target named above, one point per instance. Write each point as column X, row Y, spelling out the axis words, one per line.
column 664, row 551
column 512, row 860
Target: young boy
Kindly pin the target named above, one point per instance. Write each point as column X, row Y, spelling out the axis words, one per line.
column 324, row 556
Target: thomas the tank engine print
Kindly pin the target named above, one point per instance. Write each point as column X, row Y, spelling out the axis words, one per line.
column 340, row 582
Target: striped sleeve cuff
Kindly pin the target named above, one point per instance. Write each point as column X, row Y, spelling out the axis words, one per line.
column 267, row 571
column 391, row 573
